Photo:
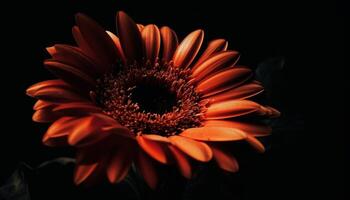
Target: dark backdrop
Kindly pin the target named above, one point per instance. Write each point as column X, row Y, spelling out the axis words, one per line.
column 306, row 154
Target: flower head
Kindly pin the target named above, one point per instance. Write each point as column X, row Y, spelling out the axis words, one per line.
column 143, row 98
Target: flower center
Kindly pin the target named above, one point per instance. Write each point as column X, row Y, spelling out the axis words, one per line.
column 151, row 100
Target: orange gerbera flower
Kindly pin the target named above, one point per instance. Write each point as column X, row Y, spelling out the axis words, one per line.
column 140, row 97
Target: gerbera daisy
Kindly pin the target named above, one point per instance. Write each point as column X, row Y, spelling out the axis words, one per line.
column 142, row 97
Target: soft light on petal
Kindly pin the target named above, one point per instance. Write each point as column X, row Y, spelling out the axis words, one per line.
column 181, row 161
column 214, row 134
column 233, row 108
column 214, row 47
column 225, row 160
column 156, row 150
column 170, row 43
column 197, row 150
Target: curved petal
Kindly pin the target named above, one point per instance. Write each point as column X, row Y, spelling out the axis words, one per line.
column 181, row 161
column 188, row 49
column 119, row 165
column 223, row 81
column 57, row 95
column 48, row 83
column 151, row 42
column 225, row 160
column 215, row 63
column 45, row 116
column 77, row 108
column 57, row 133
column 197, row 150
column 147, row 170
column 239, row 93
column 170, row 43
column 255, row 143
column 98, row 40
column 70, row 74
column 249, row 128
column 51, row 50
column 130, row 37
column 74, row 57
column 154, row 149
column 156, row 138
column 233, row 108
column 83, row 45
column 83, row 172
column 273, row 112
column 118, row 46
column 214, row 134
column 40, row 104
column 140, row 27
column 214, row 47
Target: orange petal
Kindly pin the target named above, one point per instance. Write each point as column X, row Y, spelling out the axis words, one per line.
column 214, row 47
column 215, row 63
column 170, row 43
column 147, row 170
column 57, row 133
column 40, row 104
column 197, row 150
column 255, row 143
column 118, row 166
column 214, row 134
column 57, row 95
column 225, row 160
column 76, row 108
column 188, row 49
column 249, row 128
column 181, row 161
column 74, row 57
column 130, row 37
column 88, row 131
column 140, row 27
column 118, row 46
column 239, row 93
column 45, row 116
column 48, row 83
column 83, row 45
column 223, row 81
column 232, row 108
column 273, row 112
column 154, row 149
column 156, row 138
column 51, row 50
column 98, row 40
column 83, row 172
column 70, row 75
column 151, row 42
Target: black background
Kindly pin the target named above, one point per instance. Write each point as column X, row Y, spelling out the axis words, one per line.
column 305, row 158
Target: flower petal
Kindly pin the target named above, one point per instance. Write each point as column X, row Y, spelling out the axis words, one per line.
column 154, row 149
column 225, row 160
column 118, row 46
column 197, row 150
column 130, row 37
column 59, row 130
column 147, row 170
column 119, row 165
column 214, row 47
column 239, row 93
column 181, row 161
column 83, row 45
column 70, row 75
column 140, row 27
column 45, row 115
column 273, row 112
column 223, row 81
column 255, row 143
column 151, row 42
column 74, row 57
column 170, row 43
column 156, row 138
column 98, row 40
column 232, row 108
column 48, row 83
column 214, row 134
column 51, row 50
column 215, row 63
column 83, row 172
column 57, row 95
column 249, row 128
column 88, row 131
column 40, row 104
column 77, row 108
column 188, row 49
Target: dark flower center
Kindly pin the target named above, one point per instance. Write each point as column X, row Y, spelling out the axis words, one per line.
column 151, row 100
column 154, row 97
